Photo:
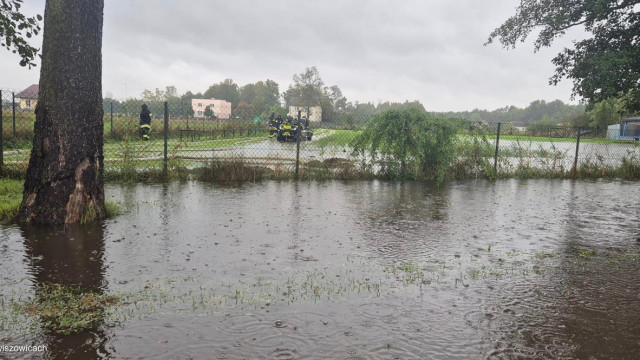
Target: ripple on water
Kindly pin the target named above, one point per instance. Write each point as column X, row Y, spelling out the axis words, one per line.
column 584, row 305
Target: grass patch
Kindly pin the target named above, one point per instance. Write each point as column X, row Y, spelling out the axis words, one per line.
column 113, row 209
column 10, row 199
column 337, row 138
column 68, row 310
column 587, row 253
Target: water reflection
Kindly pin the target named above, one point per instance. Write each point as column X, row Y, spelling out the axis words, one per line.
column 585, row 305
column 598, row 274
column 399, row 220
column 69, row 256
column 296, row 212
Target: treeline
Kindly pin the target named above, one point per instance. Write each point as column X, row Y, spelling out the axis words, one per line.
column 538, row 112
column 262, row 98
column 541, row 114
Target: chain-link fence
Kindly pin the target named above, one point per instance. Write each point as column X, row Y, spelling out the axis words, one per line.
column 207, row 138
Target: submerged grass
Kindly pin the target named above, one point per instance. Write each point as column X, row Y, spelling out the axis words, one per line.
column 237, row 169
column 68, row 310
column 71, row 309
column 234, row 170
column 336, row 169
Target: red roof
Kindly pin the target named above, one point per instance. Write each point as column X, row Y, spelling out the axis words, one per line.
column 29, row 93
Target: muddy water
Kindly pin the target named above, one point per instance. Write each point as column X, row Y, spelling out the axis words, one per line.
column 360, row 270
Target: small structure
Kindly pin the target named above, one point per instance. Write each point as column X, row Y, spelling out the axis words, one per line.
column 28, row 97
column 312, row 107
column 220, row 109
column 627, row 129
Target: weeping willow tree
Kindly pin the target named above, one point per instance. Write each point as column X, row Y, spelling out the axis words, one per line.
column 409, row 143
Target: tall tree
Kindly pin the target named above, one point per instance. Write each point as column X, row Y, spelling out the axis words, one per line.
column 605, row 65
column 605, row 113
column 185, row 102
column 307, row 87
column 12, row 25
column 224, row 90
column 261, row 96
column 64, row 182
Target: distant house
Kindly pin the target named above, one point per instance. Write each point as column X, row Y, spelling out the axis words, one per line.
column 221, row 109
column 28, row 97
column 300, row 104
column 627, row 129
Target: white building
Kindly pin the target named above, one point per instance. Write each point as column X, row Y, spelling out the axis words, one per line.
column 298, row 104
column 221, row 109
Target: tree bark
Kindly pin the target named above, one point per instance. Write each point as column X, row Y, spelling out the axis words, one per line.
column 64, row 181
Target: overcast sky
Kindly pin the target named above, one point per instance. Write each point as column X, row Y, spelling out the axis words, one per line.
column 374, row 50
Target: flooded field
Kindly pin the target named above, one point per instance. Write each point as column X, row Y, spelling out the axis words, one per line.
column 536, row 269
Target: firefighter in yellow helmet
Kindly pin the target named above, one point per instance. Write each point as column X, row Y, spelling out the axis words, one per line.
column 145, row 122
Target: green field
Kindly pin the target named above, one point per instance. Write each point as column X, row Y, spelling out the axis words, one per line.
column 335, row 137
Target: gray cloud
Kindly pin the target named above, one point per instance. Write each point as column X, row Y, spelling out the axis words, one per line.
column 399, row 50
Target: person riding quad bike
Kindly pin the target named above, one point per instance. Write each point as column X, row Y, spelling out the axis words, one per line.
column 274, row 124
column 305, row 132
column 287, row 129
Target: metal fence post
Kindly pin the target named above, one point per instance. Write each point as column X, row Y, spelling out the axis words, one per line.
column 575, row 160
column 13, row 112
column 166, row 135
column 495, row 157
column 1, row 131
column 112, row 119
column 298, row 135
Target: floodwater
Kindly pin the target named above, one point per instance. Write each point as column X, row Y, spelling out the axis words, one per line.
column 531, row 269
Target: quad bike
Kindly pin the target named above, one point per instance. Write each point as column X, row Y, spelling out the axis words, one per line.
column 291, row 128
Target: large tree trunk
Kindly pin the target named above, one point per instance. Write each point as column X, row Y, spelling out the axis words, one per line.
column 65, row 176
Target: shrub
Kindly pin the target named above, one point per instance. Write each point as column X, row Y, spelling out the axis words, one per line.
column 410, row 143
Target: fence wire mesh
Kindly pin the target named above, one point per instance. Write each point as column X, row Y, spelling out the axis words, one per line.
column 207, row 136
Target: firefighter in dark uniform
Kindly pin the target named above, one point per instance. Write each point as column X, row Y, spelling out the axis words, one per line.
column 145, row 122
column 273, row 126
